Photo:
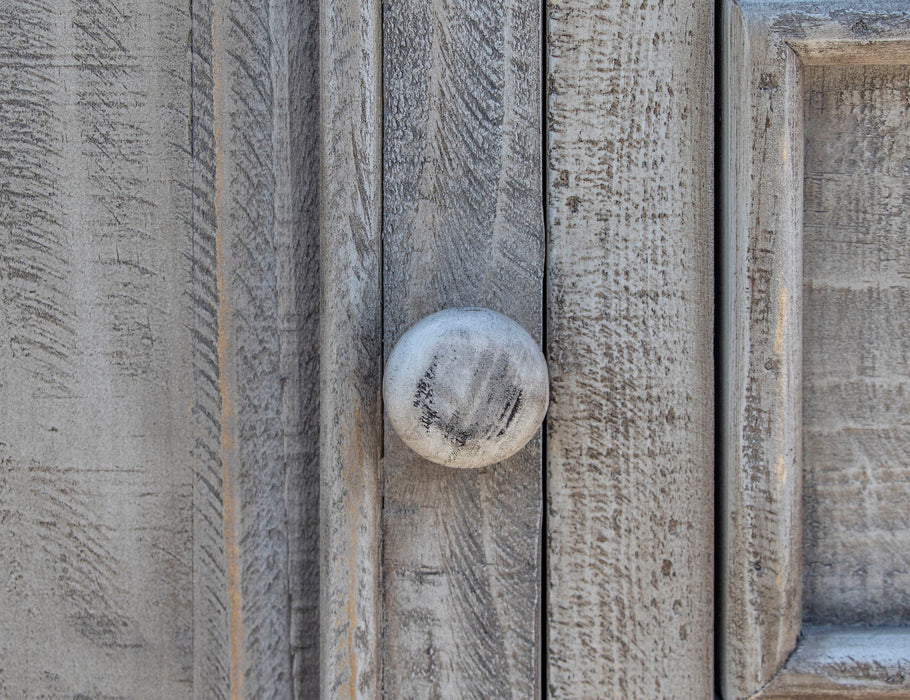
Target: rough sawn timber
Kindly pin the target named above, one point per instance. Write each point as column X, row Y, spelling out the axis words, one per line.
column 143, row 525
column 629, row 338
column 856, row 346
column 463, row 226
column 350, row 426
column 295, row 114
column 760, row 366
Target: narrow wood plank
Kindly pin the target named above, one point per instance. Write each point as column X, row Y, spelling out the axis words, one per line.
column 211, row 643
column 629, row 337
column 350, row 347
column 237, row 236
column 759, row 357
column 295, row 76
column 462, row 227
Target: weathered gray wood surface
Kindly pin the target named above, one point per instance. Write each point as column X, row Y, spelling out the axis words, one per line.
column 295, row 86
column 143, row 527
column 462, row 227
column 759, row 356
column 767, row 45
column 350, row 347
column 856, row 345
column 629, row 338
column 97, row 476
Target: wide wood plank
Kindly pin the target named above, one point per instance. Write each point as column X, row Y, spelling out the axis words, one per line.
column 143, row 464
column 462, row 227
column 96, row 467
column 350, row 429
column 629, row 338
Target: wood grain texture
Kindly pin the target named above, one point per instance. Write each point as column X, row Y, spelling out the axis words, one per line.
column 762, row 299
column 350, row 435
column 143, row 470
column 760, row 443
column 856, row 346
column 235, row 258
column 462, row 227
column 96, row 474
column 629, row 338
column 295, row 75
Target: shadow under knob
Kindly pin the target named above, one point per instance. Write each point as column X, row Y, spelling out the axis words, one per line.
column 466, row 387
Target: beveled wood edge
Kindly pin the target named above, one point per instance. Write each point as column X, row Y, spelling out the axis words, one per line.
column 838, row 52
column 777, row 31
column 759, row 355
column 841, row 661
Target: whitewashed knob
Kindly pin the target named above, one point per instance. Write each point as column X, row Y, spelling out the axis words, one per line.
column 466, row 387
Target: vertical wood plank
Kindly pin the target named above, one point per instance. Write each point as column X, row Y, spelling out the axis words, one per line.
column 629, row 338
column 96, row 477
column 238, row 242
column 211, row 645
column 351, row 351
column 143, row 462
column 462, row 227
column 295, row 70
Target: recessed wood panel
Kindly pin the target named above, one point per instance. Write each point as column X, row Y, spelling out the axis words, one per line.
column 812, row 347
column 856, row 345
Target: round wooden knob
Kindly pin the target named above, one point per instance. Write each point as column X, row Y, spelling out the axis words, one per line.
column 466, row 387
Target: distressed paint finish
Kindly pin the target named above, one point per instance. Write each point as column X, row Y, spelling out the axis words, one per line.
column 350, row 430
column 856, row 346
column 96, row 466
column 462, row 227
column 768, row 46
column 143, row 471
column 629, row 337
column 845, row 662
column 236, row 240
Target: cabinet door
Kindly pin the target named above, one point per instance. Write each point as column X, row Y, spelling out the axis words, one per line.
column 582, row 567
column 217, row 219
column 815, row 516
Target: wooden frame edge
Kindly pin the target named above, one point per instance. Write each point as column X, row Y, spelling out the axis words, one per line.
column 761, row 363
